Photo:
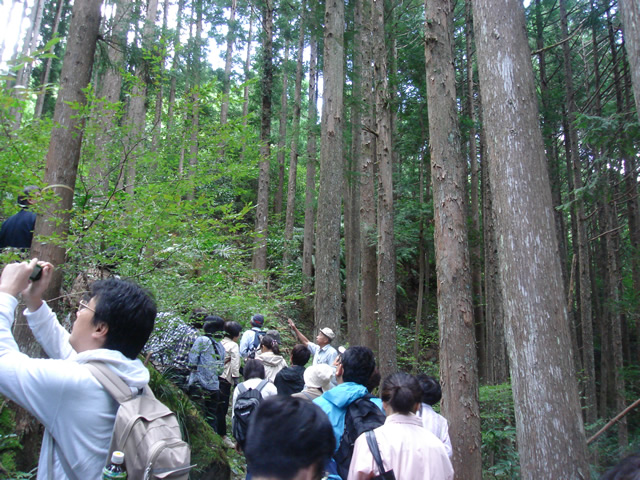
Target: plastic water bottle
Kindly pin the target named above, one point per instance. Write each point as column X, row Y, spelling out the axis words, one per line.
column 115, row 470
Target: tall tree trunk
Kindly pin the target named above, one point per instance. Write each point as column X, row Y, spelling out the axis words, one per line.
column 30, row 44
column 352, row 188
column 282, row 136
column 584, row 259
column 259, row 261
column 367, row 174
column 247, row 70
column 136, row 114
column 295, row 136
column 423, row 280
column 226, row 84
column 310, row 190
column 553, row 446
column 195, row 97
column 47, row 69
column 66, row 139
column 174, row 68
column 3, row 43
column 458, row 363
column 386, row 288
column 328, row 306
column 109, row 93
column 630, row 10
column 157, row 118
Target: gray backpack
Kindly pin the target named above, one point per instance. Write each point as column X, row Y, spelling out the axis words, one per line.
column 145, row 430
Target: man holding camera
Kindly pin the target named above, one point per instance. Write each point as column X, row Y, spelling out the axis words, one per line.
column 112, row 325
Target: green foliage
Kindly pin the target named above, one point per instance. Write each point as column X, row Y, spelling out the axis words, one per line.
column 499, row 449
column 9, row 444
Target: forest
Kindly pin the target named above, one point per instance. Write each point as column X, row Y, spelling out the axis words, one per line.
column 451, row 183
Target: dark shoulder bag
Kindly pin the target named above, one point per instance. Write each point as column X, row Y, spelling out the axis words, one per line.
column 373, row 446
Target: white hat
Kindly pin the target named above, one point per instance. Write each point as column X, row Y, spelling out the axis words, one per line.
column 327, row 332
column 318, row 376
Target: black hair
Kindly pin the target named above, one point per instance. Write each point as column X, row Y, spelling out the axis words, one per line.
column 27, row 194
column 431, row 390
column 627, row 469
column 287, row 434
column 358, row 363
column 253, row 369
column 213, row 324
column 300, row 355
column 128, row 310
column 232, row 329
column 401, row 391
column 271, row 343
column 374, row 380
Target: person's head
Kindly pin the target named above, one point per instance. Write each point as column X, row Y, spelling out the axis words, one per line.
column 627, row 469
column 324, row 337
column 270, row 344
column 318, row 376
column 400, row 393
column 257, row 320
column 213, row 324
column 232, row 330
column 28, row 196
column 288, row 438
column 374, row 381
column 197, row 317
column 357, row 365
column 431, row 390
column 119, row 315
column 300, row 355
column 253, row 369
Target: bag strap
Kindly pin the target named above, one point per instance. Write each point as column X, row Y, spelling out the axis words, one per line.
column 111, row 382
column 373, row 446
column 262, row 384
column 63, row 460
column 241, row 389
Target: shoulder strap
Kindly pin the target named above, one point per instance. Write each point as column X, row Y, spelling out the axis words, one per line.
column 241, row 388
column 373, row 446
column 112, row 383
column 306, row 394
column 262, row 384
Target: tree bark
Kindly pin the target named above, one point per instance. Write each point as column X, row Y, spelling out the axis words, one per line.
column 328, row 303
column 259, row 261
column 630, row 10
column 367, row 174
column 310, row 190
column 66, row 139
column 282, row 136
column 226, row 84
column 458, row 362
column 47, row 70
column 554, row 445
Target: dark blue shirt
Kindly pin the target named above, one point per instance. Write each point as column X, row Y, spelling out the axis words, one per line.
column 17, row 230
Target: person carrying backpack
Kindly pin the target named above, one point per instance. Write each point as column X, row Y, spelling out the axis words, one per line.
column 349, row 406
column 206, row 360
column 250, row 341
column 247, row 396
column 78, row 413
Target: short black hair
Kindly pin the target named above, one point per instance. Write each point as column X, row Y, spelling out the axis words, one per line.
column 401, row 391
column 253, row 369
column 431, row 390
column 300, row 355
column 213, row 324
column 128, row 310
column 287, row 434
column 232, row 329
column 358, row 363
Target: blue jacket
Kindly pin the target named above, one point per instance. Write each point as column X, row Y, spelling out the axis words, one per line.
column 335, row 402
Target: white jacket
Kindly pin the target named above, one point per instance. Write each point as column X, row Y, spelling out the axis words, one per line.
column 62, row 393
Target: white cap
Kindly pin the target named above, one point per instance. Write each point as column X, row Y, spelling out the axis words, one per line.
column 318, row 376
column 327, row 332
column 117, row 457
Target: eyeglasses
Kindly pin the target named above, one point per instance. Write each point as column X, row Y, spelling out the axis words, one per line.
column 82, row 306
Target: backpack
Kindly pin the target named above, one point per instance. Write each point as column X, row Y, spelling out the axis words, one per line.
column 145, row 430
column 362, row 416
column 219, row 359
column 257, row 338
column 246, row 403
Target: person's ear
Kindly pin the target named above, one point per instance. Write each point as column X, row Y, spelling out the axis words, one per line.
column 100, row 331
column 339, row 370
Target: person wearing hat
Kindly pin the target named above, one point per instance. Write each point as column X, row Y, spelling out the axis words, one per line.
column 17, row 230
column 317, row 380
column 322, row 350
column 250, row 341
